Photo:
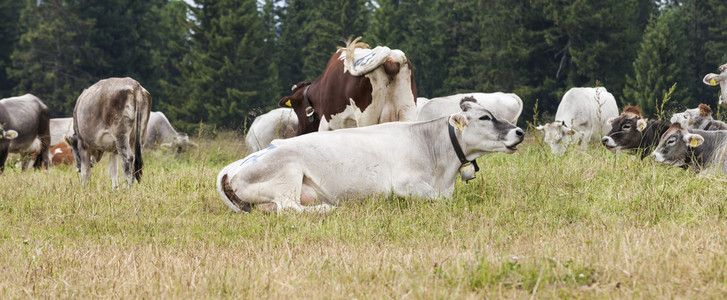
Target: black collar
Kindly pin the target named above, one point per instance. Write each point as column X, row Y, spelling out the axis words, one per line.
column 309, row 111
column 458, row 149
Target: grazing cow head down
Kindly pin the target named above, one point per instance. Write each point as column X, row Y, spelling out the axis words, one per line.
column 675, row 144
column 180, row 142
column 721, row 79
column 695, row 118
column 482, row 132
column 626, row 130
column 558, row 135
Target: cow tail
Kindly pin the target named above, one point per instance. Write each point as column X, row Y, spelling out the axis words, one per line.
column 142, row 116
column 43, row 158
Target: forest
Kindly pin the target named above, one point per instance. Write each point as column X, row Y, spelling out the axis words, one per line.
column 222, row 62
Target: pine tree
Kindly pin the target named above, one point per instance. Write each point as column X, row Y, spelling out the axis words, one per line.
column 10, row 32
column 53, row 56
column 661, row 63
column 223, row 77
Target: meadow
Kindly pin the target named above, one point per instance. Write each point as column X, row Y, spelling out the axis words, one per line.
column 587, row 224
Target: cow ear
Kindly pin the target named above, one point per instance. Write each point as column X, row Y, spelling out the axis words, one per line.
column 693, row 140
column 458, row 121
column 11, row 134
column 712, row 79
column 641, row 125
column 541, row 127
column 610, row 120
column 287, row 102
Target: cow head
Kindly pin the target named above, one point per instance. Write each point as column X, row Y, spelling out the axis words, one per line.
column 7, row 134
column 558, row 135
column 297, row 102
column 180, row 142
column 721, row 79
column 675, row 145
column 626, row 130
column 693, row 118
column 482, row 132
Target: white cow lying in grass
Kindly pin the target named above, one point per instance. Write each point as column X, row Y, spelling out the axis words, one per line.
column 582, row 115
column 314, row 172
column 506, row 106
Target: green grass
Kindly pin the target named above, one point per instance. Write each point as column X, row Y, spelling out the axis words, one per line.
column 586, row 224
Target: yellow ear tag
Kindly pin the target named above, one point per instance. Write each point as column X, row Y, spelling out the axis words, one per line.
column 693, row 143
column 712, row 82
column 458, row 125
column 641, row 126
column 288, row 103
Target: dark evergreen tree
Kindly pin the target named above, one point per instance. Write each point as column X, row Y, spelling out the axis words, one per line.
column 10, row 31
column 661, row 62
column 224, row 77
column 53, row 58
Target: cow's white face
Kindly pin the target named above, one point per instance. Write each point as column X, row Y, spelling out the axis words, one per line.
column 558, row 135
column 693, row 118
column 482, row 132
column 721, row 79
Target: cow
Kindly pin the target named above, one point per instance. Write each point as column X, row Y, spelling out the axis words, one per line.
column 61, row 154
column 721, row 79
column 698, row 118
column 159, row 132
column 421, row 101
column 316, row 172
column 111, row 116
column 693, row 148
column 507, row 106
column 25, row 129
column 359, row 87
column 632, row 133
column 59, row 129
column 279, row 123
column 582, row 115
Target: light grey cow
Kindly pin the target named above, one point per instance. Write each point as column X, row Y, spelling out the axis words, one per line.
column 60, row 128
column 698, row 118
column 279, row 123
column 507, row 106
column 25, row 129
column 721, row 79
column 111, row 116
column 160, row 132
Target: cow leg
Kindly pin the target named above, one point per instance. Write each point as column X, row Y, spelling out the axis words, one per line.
column 24, row 162
column 85, row 164
column 114, row 170
column 127, row 159
column 3, row 158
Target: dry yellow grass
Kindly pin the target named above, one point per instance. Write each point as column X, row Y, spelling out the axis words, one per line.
column 587, row 224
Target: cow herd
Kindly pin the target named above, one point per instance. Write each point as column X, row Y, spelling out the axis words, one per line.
column 357, row 130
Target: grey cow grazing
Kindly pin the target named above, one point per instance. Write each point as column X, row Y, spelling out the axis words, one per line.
column 160, row 132
column 111, row 116
column 25, row 129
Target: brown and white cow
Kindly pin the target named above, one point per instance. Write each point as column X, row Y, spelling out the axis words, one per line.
column 359, row 87
column 61, row 154
column 721, row 79
column 632, row 133
column 693, row 148
column 698, row 118
column 111, row 116
column 25, row 129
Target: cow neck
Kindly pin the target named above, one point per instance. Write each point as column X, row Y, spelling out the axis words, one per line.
column 309, row 111
column 458, row 149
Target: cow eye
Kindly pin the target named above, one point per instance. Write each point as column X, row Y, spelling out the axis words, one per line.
column 671, row 141
column 485, row 118
column 626, row 127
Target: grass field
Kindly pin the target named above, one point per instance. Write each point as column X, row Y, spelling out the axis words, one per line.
column 588, row 224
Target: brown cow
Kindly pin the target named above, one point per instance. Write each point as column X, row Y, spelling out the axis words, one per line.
column 359, row 87
column 61, row 154
column 111, row 116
